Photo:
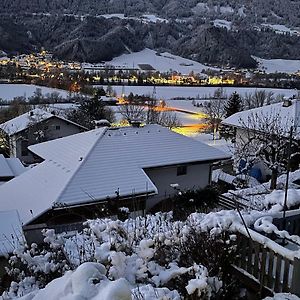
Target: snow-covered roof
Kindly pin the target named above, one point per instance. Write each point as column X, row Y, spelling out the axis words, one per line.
column 10, row 167
column 93, row 165
column 11, row 234
column 23, row 121
column 286, row 116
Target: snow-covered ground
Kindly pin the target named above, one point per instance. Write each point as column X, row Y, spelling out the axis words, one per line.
column 281, row 29
column 283, row 296
column 125, row 255
column 9, row 91
column 288, row 66
column 203, row 7
column 164, row 62
column 222, row 24
column 147, row 18
column 170, row 92
column 220, row 144
column 261, row 197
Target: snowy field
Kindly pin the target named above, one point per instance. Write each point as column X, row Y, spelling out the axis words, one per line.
column 9, row 91
column 164, row 62
column 170, row 92
column 278, row 65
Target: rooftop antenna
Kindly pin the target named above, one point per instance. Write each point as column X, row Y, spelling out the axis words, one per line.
column 123, row 91
column 287, row 181
column 154, row 92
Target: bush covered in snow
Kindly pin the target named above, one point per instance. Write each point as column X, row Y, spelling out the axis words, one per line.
column 150, row 255
column 186, row 202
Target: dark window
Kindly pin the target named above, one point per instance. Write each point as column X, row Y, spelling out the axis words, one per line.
column 181, row 170
column 57, row 127
column 24, row 150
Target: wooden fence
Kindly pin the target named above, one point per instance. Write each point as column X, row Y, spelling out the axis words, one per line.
column 275, row 270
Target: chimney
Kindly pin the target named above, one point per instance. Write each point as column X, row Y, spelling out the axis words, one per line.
column 136, row 123
column 297, row 113
column 286, row 102
column 102, row 123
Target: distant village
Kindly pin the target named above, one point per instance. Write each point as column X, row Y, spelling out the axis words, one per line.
column 41, row 68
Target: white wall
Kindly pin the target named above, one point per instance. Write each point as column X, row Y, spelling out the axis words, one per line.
column 198, row 176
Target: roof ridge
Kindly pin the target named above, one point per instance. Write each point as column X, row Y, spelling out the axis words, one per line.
column 12, row 122
column 69, row 121
column 80, row 165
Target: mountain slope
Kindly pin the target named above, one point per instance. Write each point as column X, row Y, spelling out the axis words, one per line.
column 78, row 30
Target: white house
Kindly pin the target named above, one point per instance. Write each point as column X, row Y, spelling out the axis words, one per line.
column 287, row 114
column 127, row 166
column 33, row 127
column 275, row 119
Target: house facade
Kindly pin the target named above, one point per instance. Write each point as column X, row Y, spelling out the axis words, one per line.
column 34, row 127
column 171, row 179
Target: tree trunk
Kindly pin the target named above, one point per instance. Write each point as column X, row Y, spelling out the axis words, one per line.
column 274, row 179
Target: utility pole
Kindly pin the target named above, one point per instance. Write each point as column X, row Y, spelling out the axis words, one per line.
column 287, row 180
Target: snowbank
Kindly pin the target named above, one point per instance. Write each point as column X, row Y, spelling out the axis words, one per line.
column 283, row 296
column 10, row 91
column 87, row 282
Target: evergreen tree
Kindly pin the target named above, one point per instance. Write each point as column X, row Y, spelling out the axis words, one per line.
column 233, row 105
column 89, row 111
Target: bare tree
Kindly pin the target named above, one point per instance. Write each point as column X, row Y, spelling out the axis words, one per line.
column 247, row 101
column 260, row 98
column 149, row 110
column 132, row 110
column 215, row 110
column 152, row 111
column 264, row 137
column 168, row 119
column 4, row 143
column 38, row 129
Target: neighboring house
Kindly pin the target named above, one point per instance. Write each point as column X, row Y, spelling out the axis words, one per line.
column 10, row 168
column 34, row 127
column 82, row 174
column 251, row 122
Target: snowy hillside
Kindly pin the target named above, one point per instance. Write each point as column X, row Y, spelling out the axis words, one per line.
column 278, row 65
column 163, row 62
column 143, row 18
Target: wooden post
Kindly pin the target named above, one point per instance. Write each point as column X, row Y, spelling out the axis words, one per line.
column 295, row 287
column 277, row 287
